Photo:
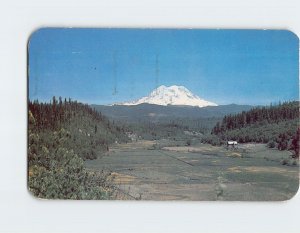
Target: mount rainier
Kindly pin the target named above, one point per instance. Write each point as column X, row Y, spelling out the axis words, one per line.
column 173, row 95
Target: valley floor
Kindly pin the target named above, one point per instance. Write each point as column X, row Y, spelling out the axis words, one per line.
column 148, row 170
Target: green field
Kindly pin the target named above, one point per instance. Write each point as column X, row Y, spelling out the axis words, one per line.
column 251, row 172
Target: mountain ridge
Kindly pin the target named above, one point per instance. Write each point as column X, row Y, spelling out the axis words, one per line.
column 152, row 112
column 173, row 95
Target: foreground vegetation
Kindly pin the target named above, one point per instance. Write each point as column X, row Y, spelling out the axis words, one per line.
column 64, row 133
column 61, row 135
column 276, row 125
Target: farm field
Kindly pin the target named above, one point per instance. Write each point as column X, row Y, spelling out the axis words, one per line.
column 150, row 170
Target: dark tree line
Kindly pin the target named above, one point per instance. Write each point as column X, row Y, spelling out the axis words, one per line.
column 52, row 115
column 89, row 132
column 276, row 125
column 259, row 115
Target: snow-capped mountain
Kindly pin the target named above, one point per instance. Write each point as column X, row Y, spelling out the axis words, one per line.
column 173, row 95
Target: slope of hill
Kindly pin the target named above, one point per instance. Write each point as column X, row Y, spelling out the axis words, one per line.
column 87, row 128
column 60, row 136
column 277, row 125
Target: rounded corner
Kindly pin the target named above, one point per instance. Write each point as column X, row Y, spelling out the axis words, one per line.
column 31, row 193
column 293, row 34
column 293, row 195
column 32, row 35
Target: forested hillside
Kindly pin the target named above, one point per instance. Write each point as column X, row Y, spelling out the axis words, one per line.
column 259, row 115
column 276, row 125
column 174, row 128
column 154, row 122
column 158, row 113
column 62, row 134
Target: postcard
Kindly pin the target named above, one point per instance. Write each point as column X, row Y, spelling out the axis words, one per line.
column 163, row 114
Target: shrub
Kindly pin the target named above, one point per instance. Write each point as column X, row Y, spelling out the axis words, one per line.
column 211, row 139
column 284, row 162
column 295, row 163
column 282, row 145
column 60, row 174
column 271, row 144
column 189, row 142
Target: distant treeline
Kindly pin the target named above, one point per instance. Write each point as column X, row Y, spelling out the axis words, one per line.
column 276, row 125
column 202, row 124
column 174, row 129
column 259, row 115
column 61, row 135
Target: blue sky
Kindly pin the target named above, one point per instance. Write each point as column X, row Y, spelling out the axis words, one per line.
column 102, row 66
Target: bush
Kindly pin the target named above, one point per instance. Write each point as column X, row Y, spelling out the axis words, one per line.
column 211, row 139
column 295, row 163
column 58, row 173
column 271, row 144
column 71, row 182
column 284, row 162
column 282, row 145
